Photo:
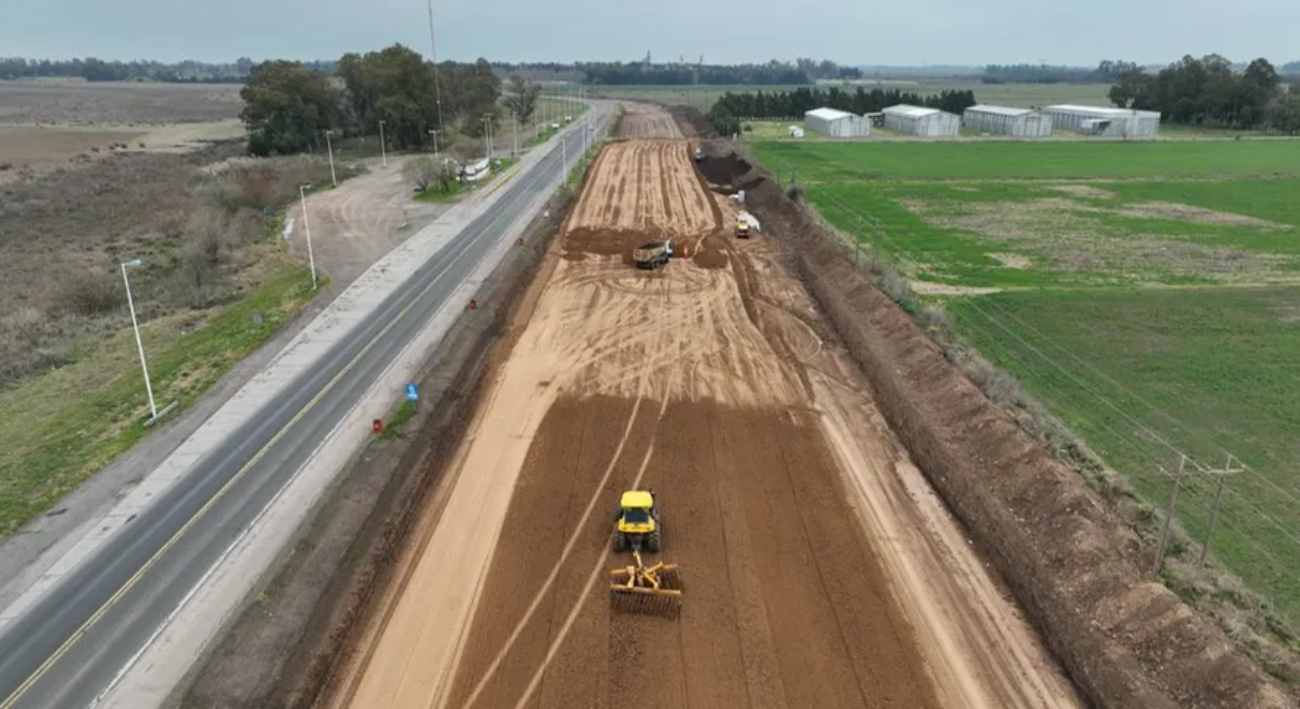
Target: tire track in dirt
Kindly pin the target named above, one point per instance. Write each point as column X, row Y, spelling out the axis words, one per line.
column 678, row 381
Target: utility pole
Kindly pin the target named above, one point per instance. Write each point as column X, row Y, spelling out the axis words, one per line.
column 434, row 133
column 514, row 124
column 333, row 178
column 383, row 152
column 1169, row 515
column 1222, row 476
column 433, row 58
column 311, row 257
column 139, row 344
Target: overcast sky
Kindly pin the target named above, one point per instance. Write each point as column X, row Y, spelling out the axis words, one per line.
column 847, row 31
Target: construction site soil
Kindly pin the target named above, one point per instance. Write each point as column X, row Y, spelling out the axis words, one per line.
column 819, row 567
column 1127, row 641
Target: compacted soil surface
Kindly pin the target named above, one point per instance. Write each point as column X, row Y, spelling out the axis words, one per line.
column 819, row 568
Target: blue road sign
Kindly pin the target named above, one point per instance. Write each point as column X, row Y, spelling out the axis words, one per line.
column 412, row 392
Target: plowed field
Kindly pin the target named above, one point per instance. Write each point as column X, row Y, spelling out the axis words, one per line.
column 819, row 569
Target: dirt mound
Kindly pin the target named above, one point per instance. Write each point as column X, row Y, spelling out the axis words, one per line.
column 601, row 242
column 724, row 169
column 692, row 123
column 1071, row 563
column 711, row 254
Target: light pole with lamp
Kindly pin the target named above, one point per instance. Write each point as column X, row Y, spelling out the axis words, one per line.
column 139, row 344
column 333, row 178
column 311, row 257
column 383, row 152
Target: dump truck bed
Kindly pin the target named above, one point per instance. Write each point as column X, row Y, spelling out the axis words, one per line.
column 655, row 253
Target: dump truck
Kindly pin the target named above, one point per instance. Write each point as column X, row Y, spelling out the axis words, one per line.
column 654, row 589
column 742, row 230
column 653, row 255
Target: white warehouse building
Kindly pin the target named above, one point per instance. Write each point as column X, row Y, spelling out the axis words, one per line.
column 1100, row 120
column 918, row 120
column 837, row 124
column 1004, row 120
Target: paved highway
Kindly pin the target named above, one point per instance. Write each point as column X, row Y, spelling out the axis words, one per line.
column 76, row 640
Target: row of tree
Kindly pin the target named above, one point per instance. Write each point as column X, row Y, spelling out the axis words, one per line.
column 1107, row 70
column 1206, row 91
column 287, row 105
column 92, row 69
column 793, row 104
column 644, row 73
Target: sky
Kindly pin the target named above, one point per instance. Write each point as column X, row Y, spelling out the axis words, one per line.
column 915, row 32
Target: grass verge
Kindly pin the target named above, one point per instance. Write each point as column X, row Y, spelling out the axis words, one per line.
column 61, row 427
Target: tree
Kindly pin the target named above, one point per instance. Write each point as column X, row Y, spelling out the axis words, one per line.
column 424, row 172
column 1284, row 115
column 1133, row 90
column 723, row 121
column 286, row 106
column 522, row 100
column 393, row 85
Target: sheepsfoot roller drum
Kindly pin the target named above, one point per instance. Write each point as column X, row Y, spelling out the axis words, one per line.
column 650, row 590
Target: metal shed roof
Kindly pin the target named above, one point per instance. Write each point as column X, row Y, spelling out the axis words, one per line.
column 829, row 114
column 1100, row 111
column 913, row 111
column 1000, row 110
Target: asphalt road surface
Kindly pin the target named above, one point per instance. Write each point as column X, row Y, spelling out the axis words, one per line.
column 73, row 644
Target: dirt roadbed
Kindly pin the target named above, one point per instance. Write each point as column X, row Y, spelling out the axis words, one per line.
column 807, row 539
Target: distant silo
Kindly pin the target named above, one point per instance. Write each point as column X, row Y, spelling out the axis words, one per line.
column 1100, row 120
column 918, row 120
column 837, row 124
column 1004, row 120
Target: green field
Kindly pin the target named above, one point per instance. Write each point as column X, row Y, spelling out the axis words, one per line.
column 1147, row 293
column 995, row 159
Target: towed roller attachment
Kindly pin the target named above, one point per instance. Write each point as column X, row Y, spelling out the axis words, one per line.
column 648, row 590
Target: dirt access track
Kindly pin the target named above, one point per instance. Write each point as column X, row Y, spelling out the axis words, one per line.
column 819, row 569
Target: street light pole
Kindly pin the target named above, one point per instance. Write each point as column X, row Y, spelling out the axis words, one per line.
column 311, row 257
column 329, row 144
column 139, row 344
column 383, row 152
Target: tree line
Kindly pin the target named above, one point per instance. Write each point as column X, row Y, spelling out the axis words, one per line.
column 92, row 69
column 644, row 73
column 1208, row 92
column 733, row 107
column 802, row 71
column 1107, row 70
column 288, row 105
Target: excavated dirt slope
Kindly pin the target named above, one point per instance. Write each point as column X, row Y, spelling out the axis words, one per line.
column 819, row 568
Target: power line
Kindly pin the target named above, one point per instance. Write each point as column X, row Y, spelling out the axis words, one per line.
column 1190, row 429
column 1289, row 534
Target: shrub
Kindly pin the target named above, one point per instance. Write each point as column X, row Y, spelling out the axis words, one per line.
column 90, row 293
column 420, row 172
